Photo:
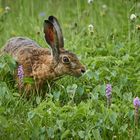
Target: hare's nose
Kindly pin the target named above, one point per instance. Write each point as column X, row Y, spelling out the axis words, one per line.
column 83, row 70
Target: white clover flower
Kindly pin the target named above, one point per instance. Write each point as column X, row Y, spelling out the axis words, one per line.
column 90, row 1
column 104, row 6
column 7, row 8
column 133, row 17
column 91, row 28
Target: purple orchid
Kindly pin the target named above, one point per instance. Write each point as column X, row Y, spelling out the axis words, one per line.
column 108, row 94
column 136, row 102
column 108, row 90
column 20, row 75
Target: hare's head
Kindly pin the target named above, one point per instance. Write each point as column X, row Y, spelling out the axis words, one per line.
column 65, row 61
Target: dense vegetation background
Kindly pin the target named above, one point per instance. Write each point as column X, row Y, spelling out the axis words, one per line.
column 106, row 39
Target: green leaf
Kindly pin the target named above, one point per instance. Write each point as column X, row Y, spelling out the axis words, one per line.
column 2, row 66
column 114, row 73
column 80, row 91
column 60, row 124
column 56, row 95
column 96, row 75
column 71, row 89
column 123, row 128
column 90, row 74
column 81, row 134
column 65, row 134
column 102, row 90
column 96, row 134
column 3, row 122
column 4, row 91
column 95, row 96
column 43, row 129
column 31, row 115
column 117, row 91
column 113, row 117
column 50, row 132
column 127, row 96
column 38, row 100
column 16, row 94
column 131, row 114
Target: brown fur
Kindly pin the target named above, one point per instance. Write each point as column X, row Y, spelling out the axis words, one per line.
column 40, row 63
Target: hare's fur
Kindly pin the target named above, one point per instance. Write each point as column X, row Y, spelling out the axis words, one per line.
column 42, row 63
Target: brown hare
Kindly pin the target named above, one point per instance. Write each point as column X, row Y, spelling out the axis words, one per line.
column 41, row 64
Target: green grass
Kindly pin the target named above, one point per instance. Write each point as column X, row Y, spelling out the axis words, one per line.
column 75, row 108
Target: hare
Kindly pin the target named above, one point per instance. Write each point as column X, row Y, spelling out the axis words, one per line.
column 42, row 63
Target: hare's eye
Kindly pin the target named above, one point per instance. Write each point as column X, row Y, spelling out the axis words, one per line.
column 66, row 59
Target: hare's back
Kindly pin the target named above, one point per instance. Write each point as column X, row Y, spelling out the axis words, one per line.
column 13, row 45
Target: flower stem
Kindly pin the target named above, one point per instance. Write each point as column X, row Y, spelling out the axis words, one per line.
column 136, row 117
column 109, row 101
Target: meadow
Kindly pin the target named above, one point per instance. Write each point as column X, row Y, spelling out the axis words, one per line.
column 106, row 37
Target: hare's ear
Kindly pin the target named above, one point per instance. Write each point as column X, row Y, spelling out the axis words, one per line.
column 58, row 29
column 52, row 38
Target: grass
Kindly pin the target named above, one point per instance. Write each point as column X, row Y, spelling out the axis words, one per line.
column 75, row 108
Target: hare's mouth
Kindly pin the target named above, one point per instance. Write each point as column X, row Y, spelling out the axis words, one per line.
column 77, row 73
